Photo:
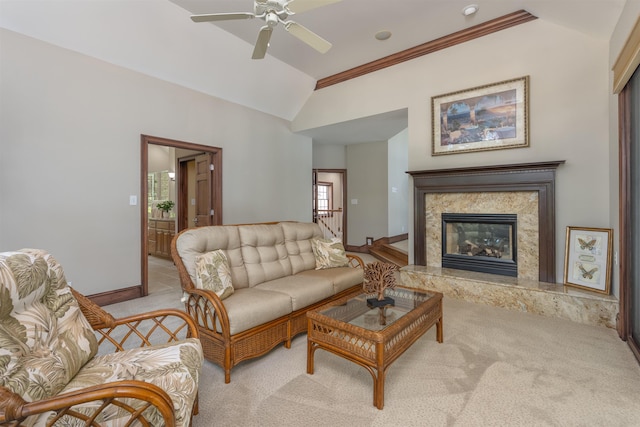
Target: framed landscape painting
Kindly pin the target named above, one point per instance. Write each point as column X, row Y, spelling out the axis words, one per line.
column 587, row 261
column 490, row 117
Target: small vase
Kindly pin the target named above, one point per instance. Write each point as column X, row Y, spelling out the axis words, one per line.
column 165, row 214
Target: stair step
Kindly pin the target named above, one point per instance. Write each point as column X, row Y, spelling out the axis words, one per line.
column 396, row 252
column 390, row 254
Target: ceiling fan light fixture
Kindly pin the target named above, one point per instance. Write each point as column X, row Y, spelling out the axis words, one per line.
column 383, row 35
column 272, row 19
column 470, row 10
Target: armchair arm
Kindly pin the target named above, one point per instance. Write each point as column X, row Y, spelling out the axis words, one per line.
column 145, row 329
column 134, row 397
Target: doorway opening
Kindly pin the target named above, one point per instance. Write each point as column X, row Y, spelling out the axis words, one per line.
column 191, row 178
column 330, row 202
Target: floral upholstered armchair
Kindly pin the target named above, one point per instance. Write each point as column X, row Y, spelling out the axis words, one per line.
column 66, row 362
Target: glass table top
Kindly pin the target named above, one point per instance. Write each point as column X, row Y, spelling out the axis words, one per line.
column 358, row 312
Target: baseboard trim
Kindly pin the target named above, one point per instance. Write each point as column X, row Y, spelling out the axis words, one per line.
column 119, row 295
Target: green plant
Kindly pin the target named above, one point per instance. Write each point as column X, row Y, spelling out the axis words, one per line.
column 166, row 205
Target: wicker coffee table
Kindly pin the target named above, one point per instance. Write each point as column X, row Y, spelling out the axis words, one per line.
column 373, row 337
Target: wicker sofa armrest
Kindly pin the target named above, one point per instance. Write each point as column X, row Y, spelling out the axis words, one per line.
column 355, row 261
column 208, row 311
column 120, row 395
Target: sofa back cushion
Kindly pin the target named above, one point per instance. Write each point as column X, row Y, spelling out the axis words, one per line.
column 199, row 241
column 44, row 338
column 264, row 252
column 298, row 237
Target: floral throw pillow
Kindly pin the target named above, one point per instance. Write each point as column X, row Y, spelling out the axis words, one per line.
column 213, row 273
column 329, row 253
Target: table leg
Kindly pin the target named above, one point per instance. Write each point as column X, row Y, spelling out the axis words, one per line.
column 310, row 351
column 378, row 390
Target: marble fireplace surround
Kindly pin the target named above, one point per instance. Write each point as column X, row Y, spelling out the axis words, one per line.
column 516, row 178
column 535, row 290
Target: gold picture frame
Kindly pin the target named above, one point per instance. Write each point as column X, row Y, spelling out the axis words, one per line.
column 489, row 117
column 587, row 260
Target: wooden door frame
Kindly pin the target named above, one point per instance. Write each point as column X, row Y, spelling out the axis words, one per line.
column 216, row 193
column 343, row 173
column 625, row 329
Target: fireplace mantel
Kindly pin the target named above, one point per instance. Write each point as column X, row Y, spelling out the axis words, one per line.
column 538, row 177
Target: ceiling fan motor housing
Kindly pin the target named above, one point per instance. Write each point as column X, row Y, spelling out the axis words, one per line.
column 272, row 10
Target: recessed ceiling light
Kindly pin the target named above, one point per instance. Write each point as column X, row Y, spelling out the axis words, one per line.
column 383, row 35
column 470, row 10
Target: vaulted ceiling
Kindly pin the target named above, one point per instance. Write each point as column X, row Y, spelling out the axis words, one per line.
column 158, row 38
column 351, row 25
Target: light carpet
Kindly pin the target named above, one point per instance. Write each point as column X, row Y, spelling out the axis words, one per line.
column 495, row 367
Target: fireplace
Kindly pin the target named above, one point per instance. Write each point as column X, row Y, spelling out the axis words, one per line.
column 518, row 179
column 486, row 243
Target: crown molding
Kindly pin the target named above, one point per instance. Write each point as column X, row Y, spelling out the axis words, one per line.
column 471, row 33
column 628, row 59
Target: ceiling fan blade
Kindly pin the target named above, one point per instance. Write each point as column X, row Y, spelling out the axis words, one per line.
column 299, row 6
column 222, row 16
column 307, row 36
column 260, row 50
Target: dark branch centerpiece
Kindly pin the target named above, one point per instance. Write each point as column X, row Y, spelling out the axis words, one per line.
column 379, row 276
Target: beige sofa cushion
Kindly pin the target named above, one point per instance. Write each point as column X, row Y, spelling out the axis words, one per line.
column 341, row 277
column 251, row 307
column 297, row 239
column 303, row 292
column 264, row 253
column 198, row 241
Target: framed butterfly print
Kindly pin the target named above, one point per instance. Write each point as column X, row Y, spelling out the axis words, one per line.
column 587, row 260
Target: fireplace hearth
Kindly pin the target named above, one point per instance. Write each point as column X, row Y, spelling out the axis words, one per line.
column 485, row 243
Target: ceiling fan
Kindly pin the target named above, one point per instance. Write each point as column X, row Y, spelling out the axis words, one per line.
column 275, row 12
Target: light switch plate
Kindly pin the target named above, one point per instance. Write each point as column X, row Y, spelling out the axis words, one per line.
column 133, row 200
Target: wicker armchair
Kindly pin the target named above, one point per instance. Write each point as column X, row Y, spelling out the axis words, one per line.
column 65, row 361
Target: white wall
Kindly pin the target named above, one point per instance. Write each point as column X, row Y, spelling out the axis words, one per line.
column 367, row 183
column 329, row 156
column 398, row 187
column 569, row 117
column 70, row 129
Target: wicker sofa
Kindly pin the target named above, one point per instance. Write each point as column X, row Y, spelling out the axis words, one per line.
column 65, row 361
column 272, row 269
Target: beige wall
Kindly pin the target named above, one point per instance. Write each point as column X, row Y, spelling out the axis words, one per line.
column 569, row 117
column 367, row 183
column 70, row 129
column 398, row 186
column 328, row 156
column 395, row 163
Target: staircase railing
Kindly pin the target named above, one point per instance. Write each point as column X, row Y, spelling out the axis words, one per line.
column 330, row 222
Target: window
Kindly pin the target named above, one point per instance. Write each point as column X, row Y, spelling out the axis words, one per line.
column 325, row 195
column 158, row 187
